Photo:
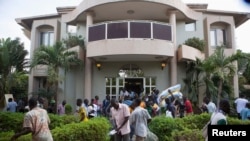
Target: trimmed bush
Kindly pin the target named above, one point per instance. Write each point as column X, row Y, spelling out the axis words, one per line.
column 68, row 127
column 11, row 121
column 95, row 129
column 14, row 121
column 163, row 127
column 68, row 109
column 187, row 135
column 6, row 136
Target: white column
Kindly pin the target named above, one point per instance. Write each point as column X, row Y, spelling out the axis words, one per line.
column 88, row 63
column 173, row 61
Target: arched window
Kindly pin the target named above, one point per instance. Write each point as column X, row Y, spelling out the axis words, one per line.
column 46, row 35
column 220, row 35
column 130, row 70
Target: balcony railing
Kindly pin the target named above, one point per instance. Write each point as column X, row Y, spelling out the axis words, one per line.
column 130, row 29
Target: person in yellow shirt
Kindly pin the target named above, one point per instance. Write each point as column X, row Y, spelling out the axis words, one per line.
column 81, row 111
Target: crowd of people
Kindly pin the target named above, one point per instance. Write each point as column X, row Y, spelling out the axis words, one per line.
column 129, row 114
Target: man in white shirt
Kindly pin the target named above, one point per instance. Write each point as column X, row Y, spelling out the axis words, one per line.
column 209, row 105
column 139, row 119
column 240, row 103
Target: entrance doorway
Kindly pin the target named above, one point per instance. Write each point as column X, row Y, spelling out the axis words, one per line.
column 134, row 84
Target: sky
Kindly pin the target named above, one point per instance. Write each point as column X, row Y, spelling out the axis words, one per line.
column 12, row 9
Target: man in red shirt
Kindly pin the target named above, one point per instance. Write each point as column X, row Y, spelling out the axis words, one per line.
column 188, row 106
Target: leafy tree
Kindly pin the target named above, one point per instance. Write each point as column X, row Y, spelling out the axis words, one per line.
column 193, row 79
column 215, row 73
column 220, row 67
column 12, row 63
column 55, row 57
column 74, row 40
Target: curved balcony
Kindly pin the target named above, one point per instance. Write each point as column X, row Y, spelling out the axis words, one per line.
column 189, row 53
column 130, row 40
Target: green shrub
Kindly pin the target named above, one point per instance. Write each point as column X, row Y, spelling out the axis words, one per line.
column 163, row 127
column 194, row 121
column 58, row 121
column 96, row 129
column 74, row 40
column 196, row 43
column 55, row 121
column 68, row 109
column 11, row 121
column 187, row 135
column 66, row 119
column 14, row 121
column 236, row 121
column 6, row 136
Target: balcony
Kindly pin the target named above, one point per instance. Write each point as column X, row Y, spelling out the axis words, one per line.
column 130, row 40
column 79, row 51
column 189, row 53
column 40, row 70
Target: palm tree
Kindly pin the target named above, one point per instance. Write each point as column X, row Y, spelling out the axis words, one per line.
column 220, row 67
column 193, row 79
column 12, row 61
column 55, row 57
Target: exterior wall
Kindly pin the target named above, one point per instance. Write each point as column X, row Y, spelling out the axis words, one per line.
column 183, row 35
column 73, row 86
column 35, row 33
column 131, row 46
column 181, row 73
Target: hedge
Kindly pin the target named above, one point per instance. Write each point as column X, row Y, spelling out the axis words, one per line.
column 68, row 127
column 95, row 129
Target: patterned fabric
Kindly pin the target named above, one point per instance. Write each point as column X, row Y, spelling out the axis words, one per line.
column 38, row 120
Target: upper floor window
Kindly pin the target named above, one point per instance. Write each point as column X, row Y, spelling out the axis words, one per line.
column 217, row 37
column 47, row 38
column 71, row 28
column 190, row 26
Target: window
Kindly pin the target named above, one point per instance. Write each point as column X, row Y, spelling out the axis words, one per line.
column 71, row 29
column 217, row 37
column 111, row 87
column 42, row 81
column 47, row 38
column 190, row 26
column 162, row 32
column 150, row 84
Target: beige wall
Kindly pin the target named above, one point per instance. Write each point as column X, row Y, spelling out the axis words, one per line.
column 35, row 43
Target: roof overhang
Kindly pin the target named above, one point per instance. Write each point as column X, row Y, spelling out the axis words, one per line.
column 239, row 17
column 27, row 22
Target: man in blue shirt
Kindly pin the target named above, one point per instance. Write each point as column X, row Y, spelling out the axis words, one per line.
column 11, row 106
column 245, row 111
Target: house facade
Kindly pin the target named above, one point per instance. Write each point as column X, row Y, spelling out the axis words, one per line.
column 137, row 44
